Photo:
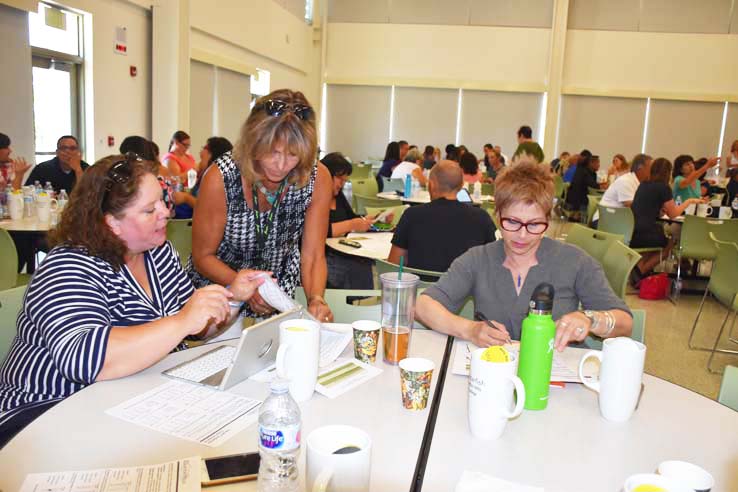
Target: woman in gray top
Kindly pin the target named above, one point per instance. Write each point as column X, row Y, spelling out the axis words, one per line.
column 501, row 275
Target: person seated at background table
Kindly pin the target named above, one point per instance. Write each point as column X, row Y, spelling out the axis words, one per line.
column 584, row 178
column 11, row 170
column 686, row 182
column 452, row 153
column 732, row 189
column 619, row 167
column 345, row 271
column 432, row 235
column 64, row 170
column 502, row 275
column 573, row 163
column 621, row 192
column 494, row 164
column 560, row 161
column 470, row 168
column 265, row 206
column 429, row 159
column 731, row 161
column 110, row 299
column 412, row 165
column 178, row 160
column 652, row 198
column 391, row 159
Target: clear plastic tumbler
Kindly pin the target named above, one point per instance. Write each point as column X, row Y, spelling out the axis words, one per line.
column 398, row 313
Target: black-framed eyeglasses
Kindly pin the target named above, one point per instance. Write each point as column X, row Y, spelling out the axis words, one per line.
column 512, row 225
column 119, row 173
column 275, row 107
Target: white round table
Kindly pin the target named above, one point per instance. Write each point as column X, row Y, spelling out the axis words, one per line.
column 374, row 245
column 424, row 197
column 25, row 225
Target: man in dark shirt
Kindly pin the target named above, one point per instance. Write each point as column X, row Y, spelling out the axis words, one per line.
column 64, row 170
column 431, row 236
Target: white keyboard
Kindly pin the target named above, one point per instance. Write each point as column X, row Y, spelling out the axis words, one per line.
column 204, row 366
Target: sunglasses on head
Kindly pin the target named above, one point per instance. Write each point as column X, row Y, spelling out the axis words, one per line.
column 275, row 107
column 119, row 173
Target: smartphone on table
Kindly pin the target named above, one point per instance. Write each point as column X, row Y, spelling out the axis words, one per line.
column 229, row 469
column 349, row 242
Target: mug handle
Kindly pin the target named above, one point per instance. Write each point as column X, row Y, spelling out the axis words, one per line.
column 281, row 365
column 322, row 480
column 53, row 205
column 595, row 385
column 520, row 394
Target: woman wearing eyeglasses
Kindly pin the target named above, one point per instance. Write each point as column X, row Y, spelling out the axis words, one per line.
column 265, row 206
column 110, row 299
column 501, row 275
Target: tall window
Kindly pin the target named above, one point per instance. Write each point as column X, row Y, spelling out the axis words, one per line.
column 56, row 42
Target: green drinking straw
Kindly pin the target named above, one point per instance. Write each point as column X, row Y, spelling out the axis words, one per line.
column 402, row 264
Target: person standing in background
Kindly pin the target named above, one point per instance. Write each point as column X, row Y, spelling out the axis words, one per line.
column 686, row 177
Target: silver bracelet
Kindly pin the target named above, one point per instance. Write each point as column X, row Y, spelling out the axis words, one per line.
column 236, row 304
column 610, row 323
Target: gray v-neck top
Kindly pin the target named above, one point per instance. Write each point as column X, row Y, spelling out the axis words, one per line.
column 576, row 277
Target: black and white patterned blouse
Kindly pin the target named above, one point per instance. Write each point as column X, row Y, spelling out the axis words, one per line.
column 239, row 247
column 68, row 310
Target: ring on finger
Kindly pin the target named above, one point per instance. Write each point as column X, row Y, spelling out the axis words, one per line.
column 580, row 330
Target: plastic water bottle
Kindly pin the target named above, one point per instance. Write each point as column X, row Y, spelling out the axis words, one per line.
column 37, row 189
column 678, row 200
column 408, row 186
column 63, row 199
column 191, row 178
column 279, row 440
column 734, row 206
column 478, row 190
column 49, row 189
column 536, row 347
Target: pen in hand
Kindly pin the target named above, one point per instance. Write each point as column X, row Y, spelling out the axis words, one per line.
column 478, row 316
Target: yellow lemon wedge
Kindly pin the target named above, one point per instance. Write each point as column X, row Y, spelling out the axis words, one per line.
column 649, row 488
column 496, row 353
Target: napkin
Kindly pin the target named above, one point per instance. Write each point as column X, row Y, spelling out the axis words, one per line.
column 479, row 482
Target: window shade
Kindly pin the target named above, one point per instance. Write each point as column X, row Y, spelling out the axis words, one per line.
column 202, row 90
column 425, row 116
column 683, row 127
column 232, row 97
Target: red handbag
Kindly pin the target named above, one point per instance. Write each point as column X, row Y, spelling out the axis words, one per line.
column 654, row 287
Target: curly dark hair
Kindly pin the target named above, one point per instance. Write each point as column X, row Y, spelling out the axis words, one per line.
column 469, row 164
column 83, row 225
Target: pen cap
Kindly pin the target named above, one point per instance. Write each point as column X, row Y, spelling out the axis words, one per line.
column 541, row 302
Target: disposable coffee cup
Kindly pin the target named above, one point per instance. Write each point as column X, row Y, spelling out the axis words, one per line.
column 366, row 340
column 415, row 382
column 692, row 476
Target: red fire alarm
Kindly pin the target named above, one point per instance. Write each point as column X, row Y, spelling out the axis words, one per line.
column 134, row 71
column 111, row 141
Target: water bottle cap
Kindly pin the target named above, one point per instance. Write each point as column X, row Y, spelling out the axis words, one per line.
column 279, row 386
column 542, row 298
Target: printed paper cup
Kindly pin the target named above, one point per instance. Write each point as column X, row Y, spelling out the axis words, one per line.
column 415, row 380
column 366, row 340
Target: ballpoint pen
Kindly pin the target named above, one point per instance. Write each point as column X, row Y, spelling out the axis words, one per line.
column 478, row 316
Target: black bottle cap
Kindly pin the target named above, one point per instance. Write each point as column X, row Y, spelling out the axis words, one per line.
column 542, row 298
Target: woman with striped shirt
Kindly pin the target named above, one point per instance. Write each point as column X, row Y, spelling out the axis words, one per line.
column 110, row 299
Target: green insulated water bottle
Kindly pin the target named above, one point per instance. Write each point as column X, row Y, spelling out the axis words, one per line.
column 536, row 348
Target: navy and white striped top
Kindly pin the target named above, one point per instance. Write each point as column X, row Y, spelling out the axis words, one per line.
column 68, row 310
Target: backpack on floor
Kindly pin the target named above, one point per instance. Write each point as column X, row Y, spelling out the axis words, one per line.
column 654, row 287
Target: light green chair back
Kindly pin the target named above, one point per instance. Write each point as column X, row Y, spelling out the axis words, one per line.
column 342, row 311
column 8, row 261
column 594, row 242
column 364, row 187
column 11, row 301
column 393, row 184
column 728, row 395
column 618, row 261
column 359, row 171
column 179, row 232
column 695, row 241
column 592, row 202
column 723, row 282
column 559, row 186
column 362, row 202
column 725, row 230
column 595, row 191
column 638, row 333
column 397, row 212
column 488, row 189
column 616, row 220
column 427, row 277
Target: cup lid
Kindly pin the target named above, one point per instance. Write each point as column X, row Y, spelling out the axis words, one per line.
column 407, row 280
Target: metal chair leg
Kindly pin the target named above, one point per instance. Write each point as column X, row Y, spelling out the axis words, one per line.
column 694, row 325
column 717, row 341
column 732, row 325
column 676, row 291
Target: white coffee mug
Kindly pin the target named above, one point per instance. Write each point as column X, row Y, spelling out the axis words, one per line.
column 692, row 476
column 346, row 471
column 691, row 208
column 621, row 373
column 491, row 387
column 703, row 210
column 298, row 356
column 725, row 213
column 44, row 206
column 716, row 203
column 15, row 206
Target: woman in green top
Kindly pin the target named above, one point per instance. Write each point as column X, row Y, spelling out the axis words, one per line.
column 686, row 177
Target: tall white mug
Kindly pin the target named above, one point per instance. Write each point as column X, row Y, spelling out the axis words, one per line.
column 15, row 206
column 725, row 213
column 621, row 373
column 298, row 356
column 44, row 206
column 491, row 387
column 345, row 471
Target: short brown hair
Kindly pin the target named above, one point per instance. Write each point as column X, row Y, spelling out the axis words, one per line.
column 260, row 132
column 529, row 183
column 661, row 170
column 82, row 223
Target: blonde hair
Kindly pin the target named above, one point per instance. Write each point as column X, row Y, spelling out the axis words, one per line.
column 527, row 182
column 261, row 132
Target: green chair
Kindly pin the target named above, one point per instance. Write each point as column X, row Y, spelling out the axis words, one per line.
column 695, row 243
column 359, row 171
column 618, row 261
column 373, row 202
column 558, row 186
column 725, row 230
column 488, row 189
column 9, row 276
column 728, row 395
column 619, row 220
column 11, row 301
column 364, row 187
column 593, row 242
column 638, row 332
column 724, row 288
column 179, row 232
column 592, row 202
column 397, row 212
column 595, row 191
column 427, row 277
column 393, row 184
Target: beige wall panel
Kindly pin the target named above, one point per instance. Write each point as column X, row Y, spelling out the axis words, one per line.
column 683, row 127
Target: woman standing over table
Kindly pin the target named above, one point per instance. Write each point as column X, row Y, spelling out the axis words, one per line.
column 178, row 160
column 501, row 275
column 686, row 177
column 110, row 299
column 265, row 205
